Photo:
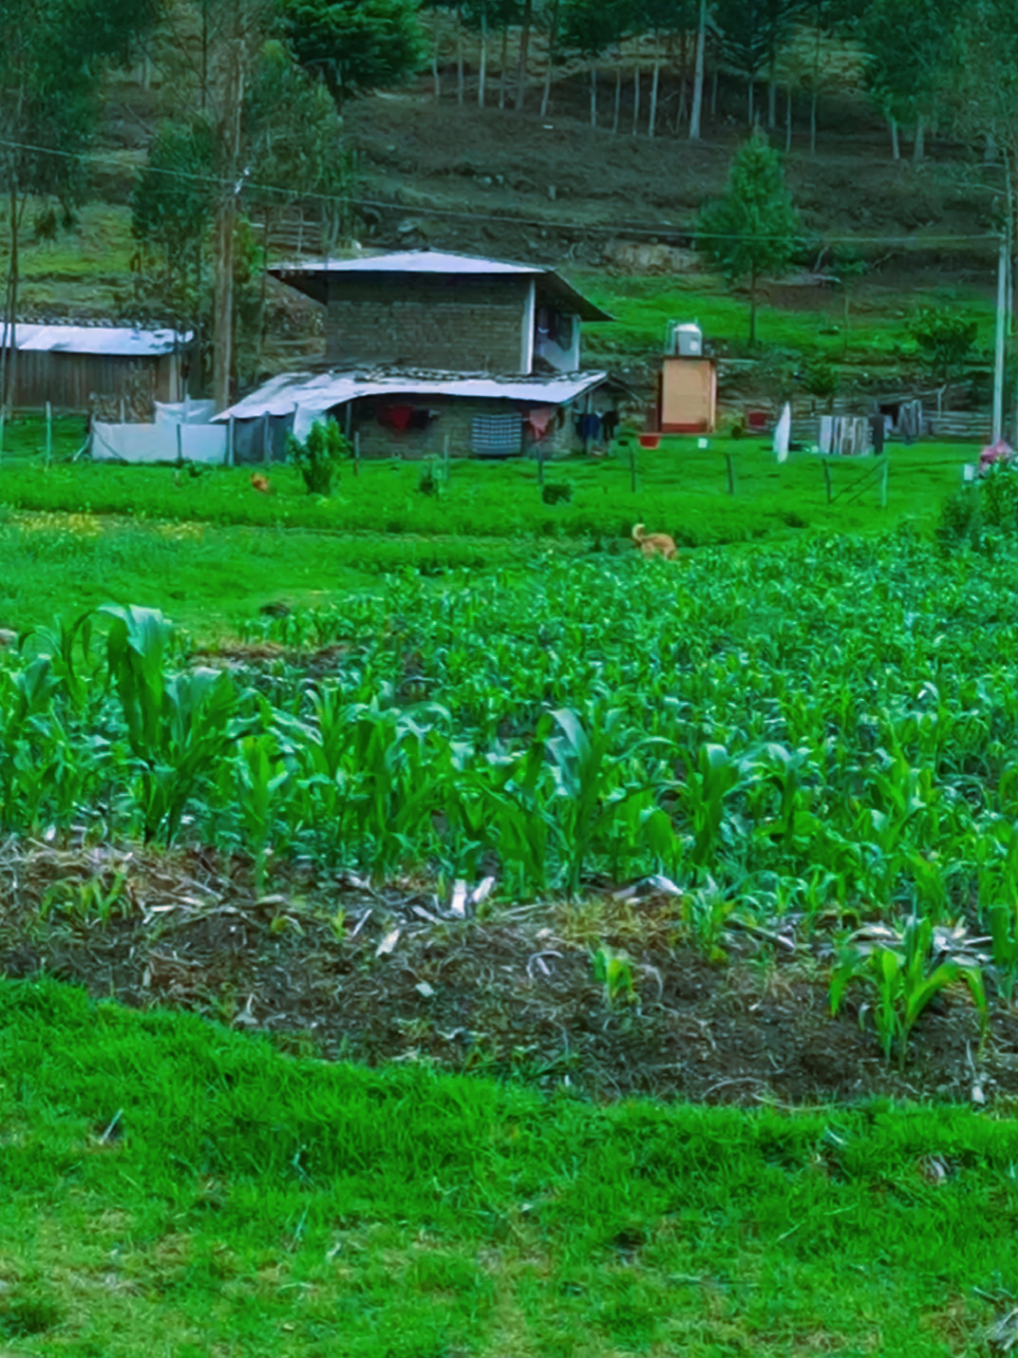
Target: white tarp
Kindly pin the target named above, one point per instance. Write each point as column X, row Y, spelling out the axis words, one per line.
column 305, row 417
column 159, row 442
column 783, row 434
column 185, row 412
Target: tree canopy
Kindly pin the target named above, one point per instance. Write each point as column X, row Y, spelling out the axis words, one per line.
column 356, row 45
column 752, row 230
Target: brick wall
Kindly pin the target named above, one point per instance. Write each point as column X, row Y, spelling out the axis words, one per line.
column 460, row 324
column 455, row 422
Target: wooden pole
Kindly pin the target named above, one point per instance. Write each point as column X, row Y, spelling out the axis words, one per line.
column 180, row 443
column 446, row 453
column 883, row 483
column 49, row 432
column 632, row 464
column 357, row 453
column 3, row 418
column 827, row 480
column 230, row 443
column 730, row 462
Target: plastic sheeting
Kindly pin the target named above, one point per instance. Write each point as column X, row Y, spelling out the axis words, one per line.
column 185, row 412
column 783, row 434
column 159, row 442
column 305, row 417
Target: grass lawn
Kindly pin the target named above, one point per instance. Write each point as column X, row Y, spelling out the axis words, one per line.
column 878, row 317
column 172, row 1189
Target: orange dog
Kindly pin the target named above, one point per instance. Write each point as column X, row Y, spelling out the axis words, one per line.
column 261, row 483
column 654, row 544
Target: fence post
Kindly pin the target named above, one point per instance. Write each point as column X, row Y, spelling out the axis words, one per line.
column 229, row 442
column 357, row 453
column 266, row 446
column 180, row 444
column 446, row 455
column 827, row 480
column 883, row 484
column 730, row 462
column 632, row 463
column 49, row 432
column 3, row 419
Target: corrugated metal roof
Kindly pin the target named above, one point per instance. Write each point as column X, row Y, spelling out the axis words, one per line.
column 121, row 342
column 283, row 394
column 308, row 276
column 410, row 261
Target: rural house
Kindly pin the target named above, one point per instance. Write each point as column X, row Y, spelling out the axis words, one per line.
column 74, row 366
column 426, row 350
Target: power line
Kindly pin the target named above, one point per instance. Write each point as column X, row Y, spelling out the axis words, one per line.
column 505, row 219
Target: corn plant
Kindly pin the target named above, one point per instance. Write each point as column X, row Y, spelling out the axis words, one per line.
column 904, row 972
column 260, row 776
column 614, row 970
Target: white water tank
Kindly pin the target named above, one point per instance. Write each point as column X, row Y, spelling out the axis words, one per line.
column 687, row 341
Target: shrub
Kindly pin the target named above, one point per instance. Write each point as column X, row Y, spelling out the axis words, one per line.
column 557, row 492
column 318, row 457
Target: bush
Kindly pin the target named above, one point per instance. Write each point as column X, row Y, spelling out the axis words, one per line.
column 557, row 492
column 821, row 380
column 318, row 458
column 958, row 524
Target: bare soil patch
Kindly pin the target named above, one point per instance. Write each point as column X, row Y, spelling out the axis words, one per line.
column 334, row 967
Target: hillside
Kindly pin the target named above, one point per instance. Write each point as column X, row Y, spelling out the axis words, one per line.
column 613, row 210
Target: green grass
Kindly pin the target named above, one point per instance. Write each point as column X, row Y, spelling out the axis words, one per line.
column 74, row 535
column 247, row 1204
column 681, row 488
column 877, row 331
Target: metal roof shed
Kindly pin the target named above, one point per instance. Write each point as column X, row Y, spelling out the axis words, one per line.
column 69, row 365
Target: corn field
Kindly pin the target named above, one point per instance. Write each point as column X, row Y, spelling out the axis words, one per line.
column 830, row 732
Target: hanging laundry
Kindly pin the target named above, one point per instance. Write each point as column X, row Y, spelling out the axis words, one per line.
column 878, row 432
column 497, row 435
column 396, row 417
column 540, row 421
column 609, row 425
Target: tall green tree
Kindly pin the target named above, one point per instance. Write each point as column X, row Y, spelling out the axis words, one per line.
column 752, row 231
column 53, row 60
column 590, row 28
column 356, row 45
column 745, row 43
column 907, row 44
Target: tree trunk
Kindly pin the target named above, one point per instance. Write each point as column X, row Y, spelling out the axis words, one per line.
column 714, row 94
column 772, row 93
column 813, row 123
column 701, row 47
column 552, row 39
column 505, row 67
column 618, row 99
column 482, row 76
column 521, row 80
column 752, row 106
column 895, row 141
column 593, row 94
column 226, row 231
column 14, row 274
column 434, row 67
column 682, row 111
column 460, row 92
column 752, row 310
column 919, row 150
column 655, row 86
column 788, row 122
column 636, row 100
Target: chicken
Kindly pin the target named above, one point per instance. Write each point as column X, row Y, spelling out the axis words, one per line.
column 261, row 483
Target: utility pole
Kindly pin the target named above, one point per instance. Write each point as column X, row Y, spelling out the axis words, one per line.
column 998, row 377
column 226, row 228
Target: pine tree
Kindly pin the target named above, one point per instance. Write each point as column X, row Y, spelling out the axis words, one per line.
column 752, row 230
